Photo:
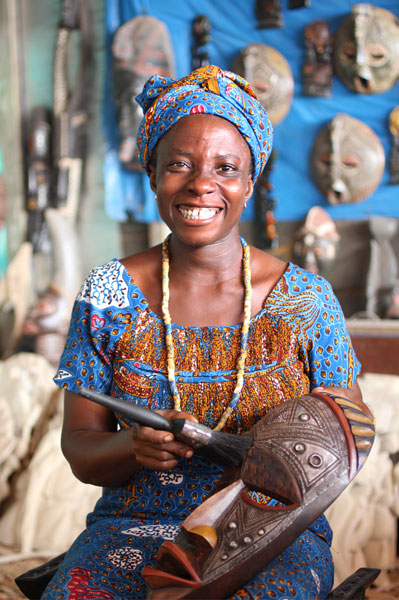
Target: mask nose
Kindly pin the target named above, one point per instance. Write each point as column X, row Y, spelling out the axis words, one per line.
column 338, row 192
column 362, row 68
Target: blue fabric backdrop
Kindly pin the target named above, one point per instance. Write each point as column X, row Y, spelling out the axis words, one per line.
column 234, row 27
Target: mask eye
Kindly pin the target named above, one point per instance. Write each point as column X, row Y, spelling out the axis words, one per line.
column 261, row 86
column 350, row 162
column 325, row 160
column 377, row 55
column 348, row 52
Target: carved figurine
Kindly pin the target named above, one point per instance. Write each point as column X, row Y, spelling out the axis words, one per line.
column 141, row 47
column 3, row 230
column 347, row 160
column 393, row 163
column 269, row 75
column 201, row 33
column 47, row 321
column 264, row 206
column 393, row 308
column 366, row 50
column 317, row 71
column 383, row 273
column 72, row 102
column 293, row 4
column 313, row 447
column 39, row 180
column 316, row 242
column 269, row 14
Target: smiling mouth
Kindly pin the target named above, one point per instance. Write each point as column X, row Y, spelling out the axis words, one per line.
column 198, row 214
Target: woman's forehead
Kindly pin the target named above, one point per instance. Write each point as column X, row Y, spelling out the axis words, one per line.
column 189, row 129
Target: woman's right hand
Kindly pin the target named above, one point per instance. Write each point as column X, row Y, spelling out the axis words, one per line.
column 102, row 454
column 159, row 450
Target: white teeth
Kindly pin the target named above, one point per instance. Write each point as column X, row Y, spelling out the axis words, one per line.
column 198, row 214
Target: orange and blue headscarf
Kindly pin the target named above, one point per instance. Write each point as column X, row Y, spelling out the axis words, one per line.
column 208, row 90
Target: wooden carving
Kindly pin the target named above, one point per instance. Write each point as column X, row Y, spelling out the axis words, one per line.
column 317, row 71
column 312, row 446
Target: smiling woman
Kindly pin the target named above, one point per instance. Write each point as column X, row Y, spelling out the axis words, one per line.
column 202, row 179
column 202, row 327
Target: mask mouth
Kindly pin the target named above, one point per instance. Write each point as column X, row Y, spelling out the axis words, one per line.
column 338, row 192
column 362, row 85
column 337, row 196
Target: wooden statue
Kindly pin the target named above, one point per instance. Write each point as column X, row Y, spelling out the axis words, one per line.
column 201, row 33
column 316, row 242
column 317, row 71
column 293, row 4
column 269, row 14
column 264, row 206
column 393, row 163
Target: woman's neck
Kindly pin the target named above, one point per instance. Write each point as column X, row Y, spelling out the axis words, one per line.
column 212, row 264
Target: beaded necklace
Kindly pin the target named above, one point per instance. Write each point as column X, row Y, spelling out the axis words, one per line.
column 170, row 353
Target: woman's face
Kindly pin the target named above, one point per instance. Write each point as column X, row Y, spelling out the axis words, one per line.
column 202, row 178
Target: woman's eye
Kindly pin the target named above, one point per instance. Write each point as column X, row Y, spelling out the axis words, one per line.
column 227, row 168
column 178, row 164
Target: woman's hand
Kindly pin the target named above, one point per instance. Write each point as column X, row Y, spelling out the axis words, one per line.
column 159, row 450
column 101, row 454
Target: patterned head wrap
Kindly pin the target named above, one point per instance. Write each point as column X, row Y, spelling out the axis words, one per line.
column 206, row 90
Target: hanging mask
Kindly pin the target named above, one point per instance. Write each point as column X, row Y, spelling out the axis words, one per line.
column 366, row 50
column 141, row 48
column 316, row 242
column 269, row 75
column 347, row 160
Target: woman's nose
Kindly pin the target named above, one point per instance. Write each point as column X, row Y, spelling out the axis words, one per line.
column 202, row 182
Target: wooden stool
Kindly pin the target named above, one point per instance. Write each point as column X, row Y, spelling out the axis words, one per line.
column 33, row 583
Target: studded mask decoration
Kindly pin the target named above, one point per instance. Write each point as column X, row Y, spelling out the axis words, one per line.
column 347, row 160
column 366, row 50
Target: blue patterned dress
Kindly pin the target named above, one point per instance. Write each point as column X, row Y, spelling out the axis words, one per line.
column 116, row 344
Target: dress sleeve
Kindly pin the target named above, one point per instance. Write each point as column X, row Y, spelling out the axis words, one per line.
column 88, row 355
column 332, row 359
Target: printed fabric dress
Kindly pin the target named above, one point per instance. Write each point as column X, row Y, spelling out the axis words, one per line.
column 116, row 344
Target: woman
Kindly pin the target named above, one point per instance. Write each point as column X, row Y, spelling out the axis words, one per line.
column 163, row 329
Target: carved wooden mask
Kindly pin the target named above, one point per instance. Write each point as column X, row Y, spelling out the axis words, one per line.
column 269, row 75
column 141, row 47
column 366, row 53
column 347, row 160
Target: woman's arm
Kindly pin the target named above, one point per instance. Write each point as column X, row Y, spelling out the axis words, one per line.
column 100, row 454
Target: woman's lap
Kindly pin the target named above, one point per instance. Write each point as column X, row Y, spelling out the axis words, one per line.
column 106, row 560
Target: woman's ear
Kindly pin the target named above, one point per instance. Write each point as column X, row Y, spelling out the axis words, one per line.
column 153, row 179
column 250, row 189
